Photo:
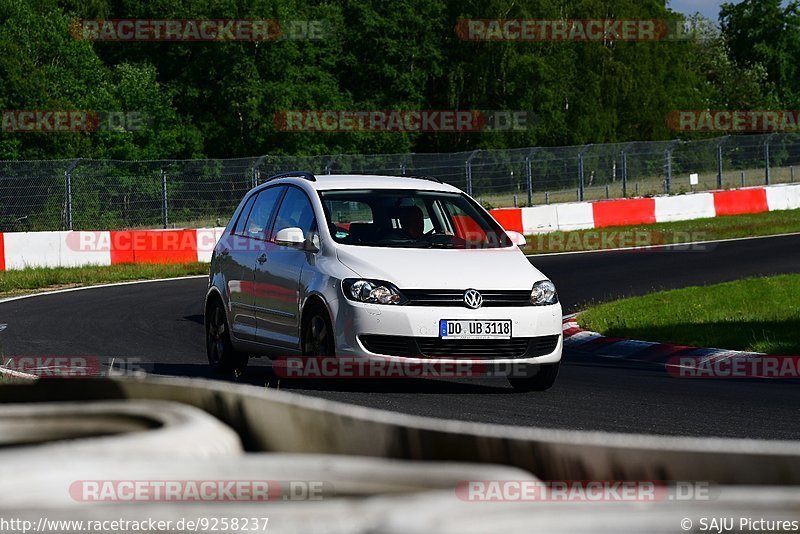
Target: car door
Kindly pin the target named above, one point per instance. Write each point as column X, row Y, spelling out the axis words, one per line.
column 248, row 242
column 278, row 278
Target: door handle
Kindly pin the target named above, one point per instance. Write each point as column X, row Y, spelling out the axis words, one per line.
column 262, row 258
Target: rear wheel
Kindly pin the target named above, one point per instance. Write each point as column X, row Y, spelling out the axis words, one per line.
column 542, row 380
column 222, row 357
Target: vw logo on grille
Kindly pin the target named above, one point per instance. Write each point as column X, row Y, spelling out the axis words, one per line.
column 472, row 299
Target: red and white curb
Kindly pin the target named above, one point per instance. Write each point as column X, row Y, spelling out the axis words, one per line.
column 681, row 361
column 636, row 211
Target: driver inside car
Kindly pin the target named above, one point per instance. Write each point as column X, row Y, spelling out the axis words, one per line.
column 412, row 222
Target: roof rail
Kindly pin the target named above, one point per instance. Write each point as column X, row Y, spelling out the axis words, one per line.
column 293, row 174
column 425, row 177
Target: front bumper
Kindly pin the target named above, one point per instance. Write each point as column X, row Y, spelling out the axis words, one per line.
column 357, row 320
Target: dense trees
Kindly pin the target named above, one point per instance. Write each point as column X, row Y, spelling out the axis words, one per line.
column 217, row 99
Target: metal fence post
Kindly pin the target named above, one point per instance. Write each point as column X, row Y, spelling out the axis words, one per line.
column 624, row 164
column 468, row 170
column 256, row 171
column 767, row 177
column 403, row 163
column 719, row 160
column 329, row 165
column 164, row 214
column 529, row 175
column 68, row 191
column 581, row 175
column 668, row 166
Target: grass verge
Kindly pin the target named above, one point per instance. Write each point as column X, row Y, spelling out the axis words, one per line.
column 756, row 314
column 729, row 227
column 13, row 283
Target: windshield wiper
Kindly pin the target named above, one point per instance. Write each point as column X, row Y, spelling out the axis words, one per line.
column 434, row 244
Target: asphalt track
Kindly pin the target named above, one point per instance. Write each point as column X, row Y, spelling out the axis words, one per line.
column 160, row 325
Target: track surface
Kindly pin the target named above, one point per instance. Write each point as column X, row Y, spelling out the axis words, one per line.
column 161, row 324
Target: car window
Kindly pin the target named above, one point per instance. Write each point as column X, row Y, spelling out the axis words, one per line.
column 261, row 214
column 464, row 226
column 295, row 212
column 242, row 220
column 344, row 213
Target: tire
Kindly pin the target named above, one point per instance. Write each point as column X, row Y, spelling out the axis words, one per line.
column 543, row 380
column 317, row 333
column 222, row 356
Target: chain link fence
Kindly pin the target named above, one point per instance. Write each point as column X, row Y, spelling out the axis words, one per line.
column 106, row 194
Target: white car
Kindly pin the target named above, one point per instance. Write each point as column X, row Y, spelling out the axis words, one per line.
column 404, row 269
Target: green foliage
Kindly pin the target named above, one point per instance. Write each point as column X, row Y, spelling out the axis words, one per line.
column 218, row 99
column 764, row 34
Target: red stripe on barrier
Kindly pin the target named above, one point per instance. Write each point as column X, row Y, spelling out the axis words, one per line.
column 121, row 247
column 509, row 219
column 740, row 201
column 2, row 253
column 624, row 212
column 154, row 246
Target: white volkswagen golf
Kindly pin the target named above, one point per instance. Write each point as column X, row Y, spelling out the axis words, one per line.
column 378, row 267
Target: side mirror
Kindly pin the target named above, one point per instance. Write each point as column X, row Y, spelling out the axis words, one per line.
column 516, row 238
column 290, row 237
column 295, row 238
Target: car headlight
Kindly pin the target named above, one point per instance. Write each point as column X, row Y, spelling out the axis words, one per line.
column 372, row 292
column 544, row 293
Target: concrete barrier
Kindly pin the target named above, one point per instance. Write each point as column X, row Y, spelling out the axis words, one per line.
column 154, row 246
column 48, row 478
column 540, row 219
column 740, row 201
column 207, row 239
column 115, row 427
column 509, row 218
column 685, row 207
column 624, row 212
column 32, row 249
column 269, row 420
column 783, row 197
column 575, row 216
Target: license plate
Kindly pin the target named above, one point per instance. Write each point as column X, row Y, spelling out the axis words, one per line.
column 472, row 329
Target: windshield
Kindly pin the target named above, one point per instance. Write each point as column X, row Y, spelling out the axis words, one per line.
column 409, row 219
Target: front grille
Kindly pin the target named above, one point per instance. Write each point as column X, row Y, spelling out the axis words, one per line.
column 478, row 349
column 455, row 298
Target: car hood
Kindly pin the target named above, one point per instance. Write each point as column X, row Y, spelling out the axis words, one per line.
column 481, row 269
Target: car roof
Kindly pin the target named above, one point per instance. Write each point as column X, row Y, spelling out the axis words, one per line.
column 327, row 182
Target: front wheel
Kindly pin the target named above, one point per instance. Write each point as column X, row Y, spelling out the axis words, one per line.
column 318, row 338
column 222, row 357
column 543, row 380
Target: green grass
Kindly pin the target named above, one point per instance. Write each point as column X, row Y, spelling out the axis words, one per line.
column 36, row 279
column 730, row 227
column 756, row 314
